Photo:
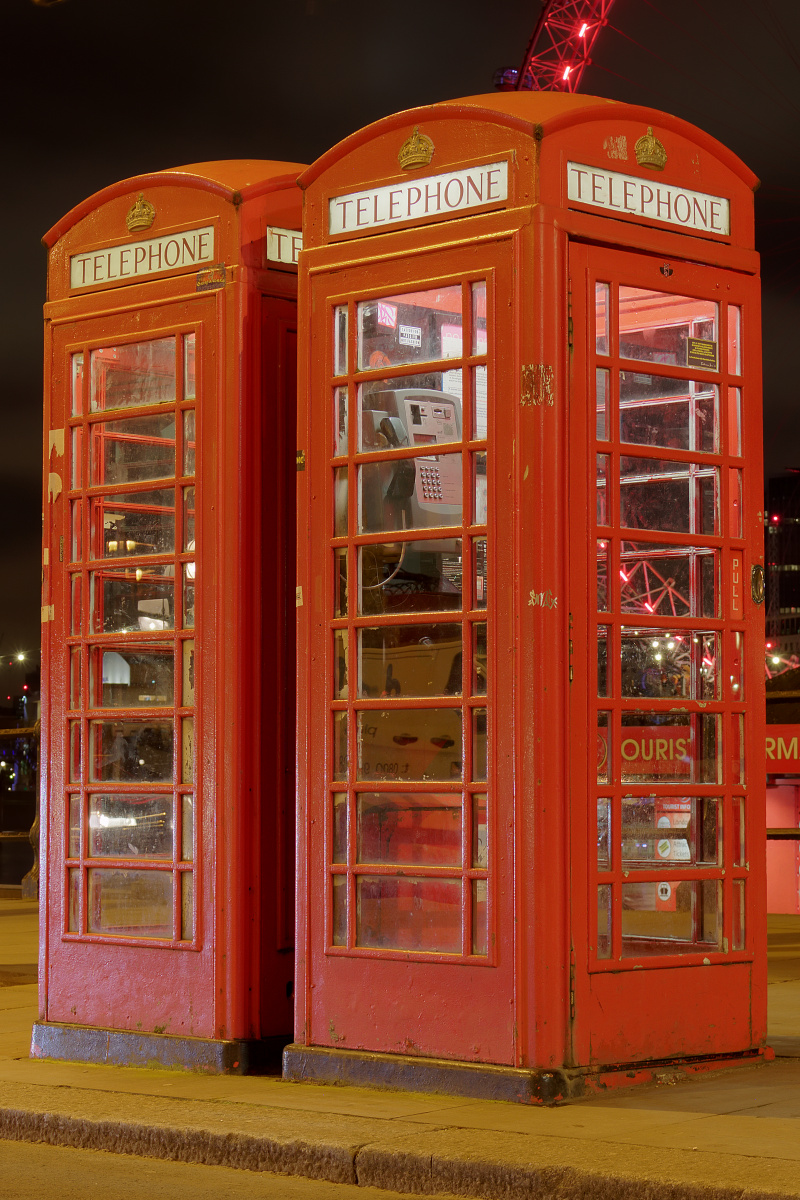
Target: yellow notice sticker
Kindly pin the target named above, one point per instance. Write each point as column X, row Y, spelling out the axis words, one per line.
column 701, row 353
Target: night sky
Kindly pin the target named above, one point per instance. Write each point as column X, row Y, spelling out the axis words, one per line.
column 99, row 90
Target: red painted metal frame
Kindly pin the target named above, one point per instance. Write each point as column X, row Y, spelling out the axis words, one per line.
column 561, row 44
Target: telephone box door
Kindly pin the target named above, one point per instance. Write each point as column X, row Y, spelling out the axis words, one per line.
column 408, row 845
column 667, row 689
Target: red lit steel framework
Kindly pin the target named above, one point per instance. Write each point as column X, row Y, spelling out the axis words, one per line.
column 561, row 44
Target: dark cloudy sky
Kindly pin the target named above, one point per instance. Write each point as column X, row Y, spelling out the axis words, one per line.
column 97, row 90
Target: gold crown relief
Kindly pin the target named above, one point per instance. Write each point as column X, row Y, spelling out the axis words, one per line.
column 650, row 152
column 140, row 215
column 416, row 151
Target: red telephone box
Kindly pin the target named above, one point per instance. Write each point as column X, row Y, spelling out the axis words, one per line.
column 531, row 840
column 167, row 733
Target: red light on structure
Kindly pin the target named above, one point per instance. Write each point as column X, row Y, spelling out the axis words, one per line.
column 566, row 72
column 24, row 687
column 583, row 29
column 769, row 645
column 776, row 519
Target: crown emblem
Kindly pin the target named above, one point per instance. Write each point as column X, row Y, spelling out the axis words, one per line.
column 140, row 215
column 416, row 151
column 650, row 152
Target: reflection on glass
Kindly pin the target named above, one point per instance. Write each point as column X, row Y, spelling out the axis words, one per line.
column 76, row 456
column 479, row 334
column 75, row 677
column 133, row 450
column 340, row 689
column 601, row 310
column 737, row 820
column 668, row 581
column 340, row 583
column 734, row 420
column 479, row 746
column 121, row 826
column 408, row 913
column 187, row 690
column 480, row 572
column 411, row 327
column 661, row 328
column 77, row 384
column 189, row 442
column 480, row 412
column 187, row 828
column 601, row 403
column 479, row 487
column 671, row 831
column 74, row 751
column 603, row 748
column 398, row 828
column 188, row 518
column 409, row 743
column 659, row 747
column 658, row 663
column 480, row 832
column 189, row 367
column 340, row 421
column 187, row 905
column 737, row 748
column 130, row 903
column 73, row 900
column 410, row 660
column 675, row 496
column 655, row 410
column 738, row 930
column 189, row 572
column 671, row 918
column 132, row 375
column 339, row 827
column 340, row 502
column 339, row 885
column 74, row 827
column 604, row 920
column 187, row 750
column 603, row 598
column 480, row 916
column 340, row 753
column 131, row 676
column 140, row 599
column 76, row 522
column 133, row 523
column 604, row 858
column 479, row 659
column 603, row 496
column 409, row 493
column 603, row 680
column 131, row 751
column 76, row 607
column 734, row 339
column 340, row 341
column 410, row 577
column 734, row 502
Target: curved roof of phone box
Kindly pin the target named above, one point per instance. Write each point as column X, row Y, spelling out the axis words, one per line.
column 235, row 179
column 534, row 113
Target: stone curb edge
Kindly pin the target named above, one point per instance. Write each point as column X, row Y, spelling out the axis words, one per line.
column 365, row 1166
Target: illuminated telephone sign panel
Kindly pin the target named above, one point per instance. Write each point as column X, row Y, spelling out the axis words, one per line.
column 168, row 669
column 530, row 672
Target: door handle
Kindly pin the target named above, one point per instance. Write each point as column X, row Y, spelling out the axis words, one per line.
column 757, row 584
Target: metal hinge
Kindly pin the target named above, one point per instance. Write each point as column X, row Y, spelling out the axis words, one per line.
column 570, row 329
column 570, row 649
column 572, row 983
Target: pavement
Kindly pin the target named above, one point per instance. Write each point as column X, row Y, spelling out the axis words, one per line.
column 724, row 1135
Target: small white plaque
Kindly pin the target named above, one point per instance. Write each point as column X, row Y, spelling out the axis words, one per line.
column 283, row 245
column 135, row 260
column 632, row 196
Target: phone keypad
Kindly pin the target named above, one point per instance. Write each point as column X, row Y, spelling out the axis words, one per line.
column 431, row 482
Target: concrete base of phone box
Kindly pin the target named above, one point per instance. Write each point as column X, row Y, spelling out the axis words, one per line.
column 121, row 1048
column 487, row 1081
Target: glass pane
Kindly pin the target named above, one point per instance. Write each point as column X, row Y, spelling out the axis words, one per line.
column 76, row 606
column 76, row 538
column 737, row 748
column 410, row 493
column 124, row 826
column 479, row 659
column 410, row 577
column 130, row 903
column 339, row 910
column 734, row 339
column 479, row 747
column 134, row 523
column 75, row 677
column 187, row 828
column 73, row 900
column 74, row 827
column 340, row 583
column 480, row 832
column 661, row 328
column 603, row 680
column 679, row 831
column 480, row 412
column 189, row 367
column 131, row 751
column 479, row 333
column 395, row 413
column 411, row 327
column 131, row 677
column 189, row 442
column 74, row 751
column 603, row 495
column 737, row 820
column 480, row 572
column 657, row 663
column 480, row 916
column 187, row 698
column 734, row 420
column 188, row 519
column 340, row 688
column 603, row 748
column 77, row 385
column 601, row 310
column 407, row 913
column 601, row 403
column 734, row 502
column 410, row 743
column 659, row 747
column 675, row 496
column 479, row 487
column 133, row 450
column 340, row 502
column 187, row 905
column 669, row 581
column 604, row 920
column 189, row 571
column 340, row 754
column 140, row 599
column 603, row 598
column 410, row 660
column 340, row 827
column 671, row 918
column 604, row 858
column 132, row 375
column 340, row 341
column 187, row 750
column 340, row 421
column 76, row 456
column 738, row 931
column 655, row 410
column 398, row 828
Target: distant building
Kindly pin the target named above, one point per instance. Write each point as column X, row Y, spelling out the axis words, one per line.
column 783, row 564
